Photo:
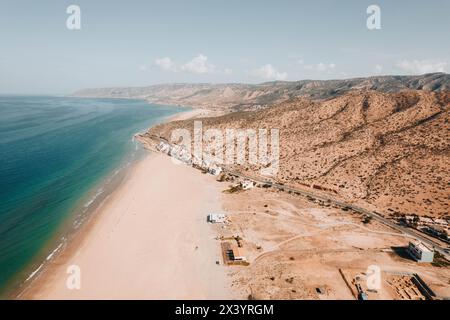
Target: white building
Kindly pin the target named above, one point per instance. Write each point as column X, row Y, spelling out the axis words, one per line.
column 214, row 170
column 173, row 151
column 164, row 147
column 247, row 184
column 441, row 222
column 180, row 153
column 205, row 164
column 237, row 254
column 425, row 220
column 216, row 218
column 420, row 251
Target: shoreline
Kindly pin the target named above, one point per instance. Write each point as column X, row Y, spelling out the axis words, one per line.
column 82, row 213
column 45, row 285
column 67, row 233
column 122, row 250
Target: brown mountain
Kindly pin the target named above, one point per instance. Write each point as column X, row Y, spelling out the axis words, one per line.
column 390, row 150
column 252, row 96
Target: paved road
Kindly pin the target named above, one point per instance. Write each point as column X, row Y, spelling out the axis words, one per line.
column 341, row 204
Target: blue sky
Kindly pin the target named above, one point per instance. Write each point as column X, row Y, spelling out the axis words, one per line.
column 135, row 43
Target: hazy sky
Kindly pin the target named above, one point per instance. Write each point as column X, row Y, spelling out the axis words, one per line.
column 134, row 43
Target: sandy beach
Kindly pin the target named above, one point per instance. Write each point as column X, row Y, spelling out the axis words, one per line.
column 149, row 240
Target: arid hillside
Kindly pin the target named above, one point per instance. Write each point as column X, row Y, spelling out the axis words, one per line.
column 391, row 150
column 238, row 97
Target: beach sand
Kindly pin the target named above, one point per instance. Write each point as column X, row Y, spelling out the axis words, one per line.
column 149, row 240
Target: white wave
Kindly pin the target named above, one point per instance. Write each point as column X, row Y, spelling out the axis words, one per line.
column 34, row 272
column 99, row 192
column 47, row 259
column 54, row 251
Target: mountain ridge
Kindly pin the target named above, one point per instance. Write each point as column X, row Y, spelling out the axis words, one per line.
column 389, row 150
column 239, row 96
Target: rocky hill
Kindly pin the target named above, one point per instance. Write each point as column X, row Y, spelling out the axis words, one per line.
column 390, row 150
column 235, row 97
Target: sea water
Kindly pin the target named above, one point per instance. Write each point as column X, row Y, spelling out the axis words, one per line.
column 54, row 152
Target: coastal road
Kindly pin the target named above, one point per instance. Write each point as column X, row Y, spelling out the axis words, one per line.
column 407, row 231
column 353, row 207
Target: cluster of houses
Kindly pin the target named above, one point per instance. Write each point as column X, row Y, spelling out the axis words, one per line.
column 180, row 153
column 232, row 253
column 437, row 227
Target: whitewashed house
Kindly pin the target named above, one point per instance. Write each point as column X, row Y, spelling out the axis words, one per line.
column 163, row 147
column 247, row 184
column 215, row 170
column 425, row 221
column 441, row 222
column 216, row 218
column 185, row 156
column 420, row 252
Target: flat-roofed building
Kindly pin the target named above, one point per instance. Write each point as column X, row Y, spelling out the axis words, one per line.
column 441, row 222
column 425, row 220
column 163, row 147
column 237, row 254
column 439, row 232
column 420, row 251
column 215, row 170
column 216, row 218
column 247, row 184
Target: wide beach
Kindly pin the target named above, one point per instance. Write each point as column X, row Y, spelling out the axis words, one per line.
column 149, row 240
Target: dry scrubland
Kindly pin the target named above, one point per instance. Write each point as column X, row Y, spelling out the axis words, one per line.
column 373, row 142
column 388, row 150
column 302, row 249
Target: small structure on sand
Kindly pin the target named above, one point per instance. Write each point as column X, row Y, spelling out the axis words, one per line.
column 164, row 147
column 436, row 231
column 236, row 253
column 362, row 295
column 420, row 252
column 216, row 218
column 233, row 254
column 247, row 184
column 215, row 170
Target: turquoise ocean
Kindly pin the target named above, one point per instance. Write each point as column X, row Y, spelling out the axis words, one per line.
column 59, row 156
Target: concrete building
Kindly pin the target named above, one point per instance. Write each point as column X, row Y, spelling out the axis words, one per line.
column 425, row 221
column 214, row 170
column 247, row 184
column 233, row 254
column 181, row 154
column 216, row 218
column 163, row 147
column 420, row 251
column 441, row 222
column 236, row 254
column 438, row 232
